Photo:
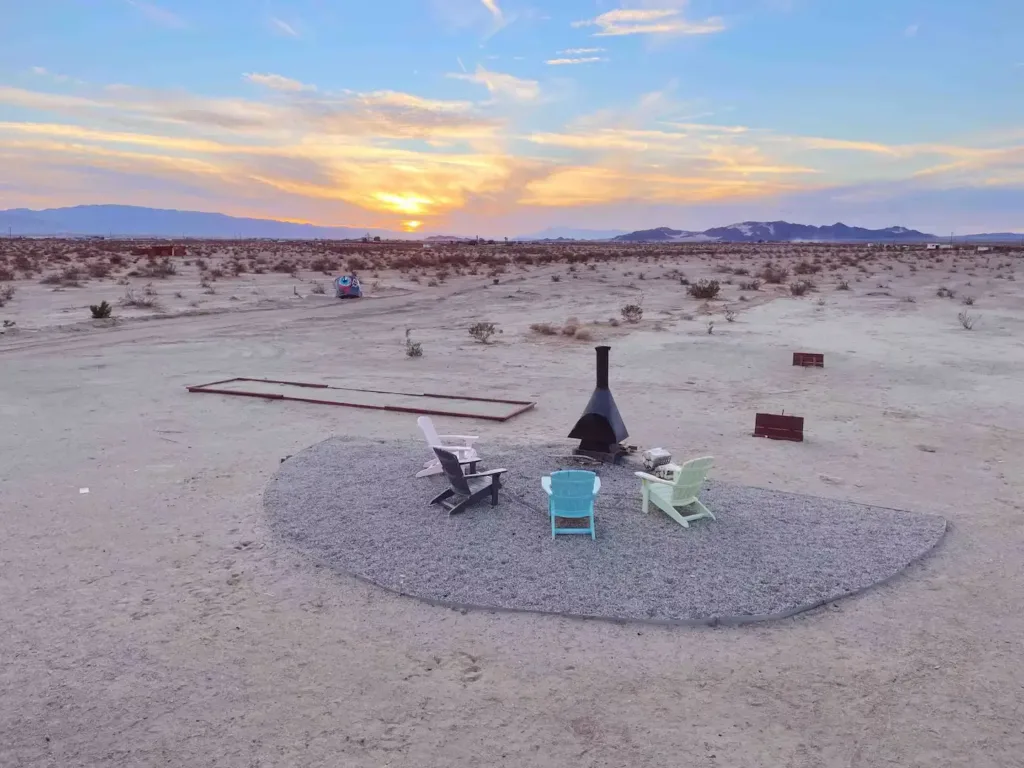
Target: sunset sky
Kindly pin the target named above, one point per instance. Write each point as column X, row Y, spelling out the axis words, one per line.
column 503, row 117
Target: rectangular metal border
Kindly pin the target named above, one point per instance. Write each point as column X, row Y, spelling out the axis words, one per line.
column 523, row 405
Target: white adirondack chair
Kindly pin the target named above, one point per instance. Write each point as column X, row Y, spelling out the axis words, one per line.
column 672, row 495
column 460, row 445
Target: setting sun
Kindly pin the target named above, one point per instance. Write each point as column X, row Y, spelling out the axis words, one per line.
column 408, row 203
column 411, row 226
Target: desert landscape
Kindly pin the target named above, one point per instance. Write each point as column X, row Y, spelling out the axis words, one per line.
column 154, row 618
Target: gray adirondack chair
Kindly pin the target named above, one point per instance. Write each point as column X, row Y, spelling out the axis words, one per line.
column 465, row 489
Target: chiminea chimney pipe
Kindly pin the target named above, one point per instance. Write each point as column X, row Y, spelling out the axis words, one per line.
column 602, row 367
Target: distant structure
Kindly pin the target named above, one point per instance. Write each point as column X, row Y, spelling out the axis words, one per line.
column 161, row 251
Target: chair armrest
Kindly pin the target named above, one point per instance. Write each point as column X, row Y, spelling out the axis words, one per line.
column 464, row 462
column 454, row 448
column 651, row 478
column 467, row 439
column 545, row 483
column 597, row 485
column 488, row 473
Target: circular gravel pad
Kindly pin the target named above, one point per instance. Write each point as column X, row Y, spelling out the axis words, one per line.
column 356, row 506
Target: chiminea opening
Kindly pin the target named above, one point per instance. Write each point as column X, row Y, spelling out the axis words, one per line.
column 600, row 429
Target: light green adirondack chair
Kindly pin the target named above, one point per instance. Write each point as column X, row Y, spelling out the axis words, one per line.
column 672, row 495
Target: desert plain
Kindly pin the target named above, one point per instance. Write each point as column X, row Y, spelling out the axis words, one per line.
column 150, row 617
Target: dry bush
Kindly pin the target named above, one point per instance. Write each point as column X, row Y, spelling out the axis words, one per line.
column 945, row 293
column 774, row 274
column 98, row 269
column 159, row 269
column 318, row 288
column 966, row 320
column 545, row 329
column 731, row 315
column 284, row 266
column 741, row 271
column 412, row 348
column 806, row 268
column 556, row 278
column 7, row 274
column 801, row 288
column 844, row 285
column 324, row 264
column 705, row 289
column 6, row 294
column 584, row 334
column 139, row 302
column 750, row 285
column 483, row 332
column 968, row 301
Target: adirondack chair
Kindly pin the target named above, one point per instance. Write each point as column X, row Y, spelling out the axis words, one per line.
column 571, row 495
column 671, row 495
column 460, row 445
column 465, row 489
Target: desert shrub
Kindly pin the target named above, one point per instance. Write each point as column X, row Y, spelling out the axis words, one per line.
column 570, row 327
column 705, row 289
column 412, row 348
column 750, row 285
column 632, row 313
column 323, row 264
column 945, row 293
column 741, row 271
column 161, row 269
column 801, row 288
column 774, row 274
column 684, row 281
column 131, row 299
column 584, row 334
column 6, row 294
column 613, row 322
column 966, row 320
column 556, row 278
column 844, row 285
column 318, row 288
column 968, row 301
column 432, row 283
column 98, row 269
column 6, row 273
column 730, row 316
column 806, row 268
column 711, row 327
column 545, row 329
column 356, row 263
column 101, row 311
column 284, row 266
column 483, row 332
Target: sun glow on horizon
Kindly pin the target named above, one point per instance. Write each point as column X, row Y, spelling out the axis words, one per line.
column 411, row 226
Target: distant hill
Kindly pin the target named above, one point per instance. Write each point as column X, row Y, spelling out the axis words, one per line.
column 569, row 233
column 754, row 231
column 134, row 221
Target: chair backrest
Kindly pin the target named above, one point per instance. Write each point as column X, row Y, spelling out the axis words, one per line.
column 572, row 493
column 453, row 471
column 427, row 427
column 690, row 478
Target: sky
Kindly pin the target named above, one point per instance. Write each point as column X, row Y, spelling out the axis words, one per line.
column 505, row 117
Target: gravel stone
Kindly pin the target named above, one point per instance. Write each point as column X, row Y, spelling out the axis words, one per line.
column 355, row 506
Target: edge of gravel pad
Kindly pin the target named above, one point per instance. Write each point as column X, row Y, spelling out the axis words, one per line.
column 713, row 621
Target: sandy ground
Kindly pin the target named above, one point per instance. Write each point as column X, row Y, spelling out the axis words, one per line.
column 155, row 621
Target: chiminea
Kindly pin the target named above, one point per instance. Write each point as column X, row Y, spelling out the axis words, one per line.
column 600, row 428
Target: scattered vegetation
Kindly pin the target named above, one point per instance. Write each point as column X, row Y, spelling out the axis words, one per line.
column 844, row 285
column 705, row 289
column 6, row 294
column 774, row 274
column 968, row 301
column 412, row 348
column 101, row 311
column 483, row 332
column 750, row 285
column 801, row 288
column 633, row 313
column 318, row 288
column 966, row 320
column 131, row 299
column 731, row 315
column 945, row 293
column 545, row 329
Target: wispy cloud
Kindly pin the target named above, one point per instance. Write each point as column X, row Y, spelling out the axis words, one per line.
column 283, row 27
column 277, row 82
column 580, row 60
column 637, row 21
column 580, row 51
column 157, row 14
column 501, row 85
column 912, row 30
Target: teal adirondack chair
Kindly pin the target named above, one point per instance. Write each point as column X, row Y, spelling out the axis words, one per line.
column 672, row 495
column 571, row 495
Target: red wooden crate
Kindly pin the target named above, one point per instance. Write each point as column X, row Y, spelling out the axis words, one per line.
column 778, row 427
column 809, row 359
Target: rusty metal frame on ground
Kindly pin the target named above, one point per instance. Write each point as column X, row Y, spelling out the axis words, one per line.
column 211, row 388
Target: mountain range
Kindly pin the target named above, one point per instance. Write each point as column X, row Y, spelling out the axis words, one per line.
column 136, row 221
column 755, row 231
